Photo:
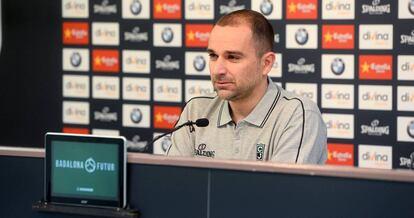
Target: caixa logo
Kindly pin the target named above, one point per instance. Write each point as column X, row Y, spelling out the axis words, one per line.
column 336, row 95
column 374, row 96
column 337, row 125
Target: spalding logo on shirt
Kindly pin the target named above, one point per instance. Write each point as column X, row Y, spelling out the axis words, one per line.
column 260, row 151
column 201, row 151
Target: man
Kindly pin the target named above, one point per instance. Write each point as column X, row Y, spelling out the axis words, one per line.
column 251, row 118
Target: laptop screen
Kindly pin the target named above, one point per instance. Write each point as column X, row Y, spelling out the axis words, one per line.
column 85, row 170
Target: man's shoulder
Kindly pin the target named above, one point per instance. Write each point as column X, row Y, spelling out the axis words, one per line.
column 294, row 100
column 202, row 100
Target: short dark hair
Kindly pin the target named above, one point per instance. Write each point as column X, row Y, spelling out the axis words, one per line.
column 262, row 30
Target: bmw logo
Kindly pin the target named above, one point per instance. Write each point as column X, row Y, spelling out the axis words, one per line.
column 167, row 34
column 135, row 7
column 76, row 59
column 301, row 36
column 410, row 129
column 136, row 115
column 338, row 66
column 411, row 6
column 266, row 7
column 199, row 63
column 166, row 143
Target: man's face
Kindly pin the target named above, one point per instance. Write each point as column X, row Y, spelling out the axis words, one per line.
column 235, row 68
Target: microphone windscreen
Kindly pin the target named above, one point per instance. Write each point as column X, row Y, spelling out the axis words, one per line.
column 203, row 122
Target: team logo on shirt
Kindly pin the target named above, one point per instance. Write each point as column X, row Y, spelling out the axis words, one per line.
column 201, row 151
column 260, row 151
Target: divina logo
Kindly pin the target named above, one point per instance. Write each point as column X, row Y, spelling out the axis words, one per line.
column 374, row 96
column 301, row 67
column 407, row 66
column 230, row 7
column 376, row 36
column 374, row 129
column 167, row 64
column 105, row 8
column 338, row 6
column 376, row 8
column 408, row 39
column 407, row 97
column 337, row 95
column 337, row 125
column 374, row 156
column 89, row 165
column 136, row 36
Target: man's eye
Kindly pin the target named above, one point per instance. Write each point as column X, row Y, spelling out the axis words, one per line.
column 232, row 57
column 212, row 56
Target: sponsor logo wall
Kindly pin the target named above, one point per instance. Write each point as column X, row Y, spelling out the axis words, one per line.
column 128, row 67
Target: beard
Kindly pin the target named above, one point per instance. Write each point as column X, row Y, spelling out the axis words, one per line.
column 237, row 90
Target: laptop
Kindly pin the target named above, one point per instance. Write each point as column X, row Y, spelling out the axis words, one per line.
column 85, row 170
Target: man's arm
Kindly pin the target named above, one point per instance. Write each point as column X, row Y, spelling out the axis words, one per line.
column 303, row 139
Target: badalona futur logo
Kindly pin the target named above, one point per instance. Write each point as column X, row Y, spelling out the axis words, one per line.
column 89, row 165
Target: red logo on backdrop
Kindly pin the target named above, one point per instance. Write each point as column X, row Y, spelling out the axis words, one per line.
column 340, row 154
column 165, row 117
column 167, row 9
column 338, row 36
column 75, row 130
column 76, row 33
column 196, row 35
column 376, row 67
column 302, row 9
column 105, row 60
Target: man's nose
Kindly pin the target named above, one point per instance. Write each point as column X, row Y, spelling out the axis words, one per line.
column 219, row 66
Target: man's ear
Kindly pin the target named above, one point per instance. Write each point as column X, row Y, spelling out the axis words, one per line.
column 268, row 59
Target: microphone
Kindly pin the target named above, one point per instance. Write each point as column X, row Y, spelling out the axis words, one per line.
column 202, row 122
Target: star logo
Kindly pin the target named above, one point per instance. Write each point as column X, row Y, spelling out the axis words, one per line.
column 191, row 36
column 68, row 33
column 292, row 8
column 328, row 37
column 365, row 67
column 330, row 155
column 158, row 8
column 158, row 118
column 98, row 60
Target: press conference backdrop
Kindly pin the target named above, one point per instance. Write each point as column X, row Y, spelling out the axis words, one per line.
column 125, row 67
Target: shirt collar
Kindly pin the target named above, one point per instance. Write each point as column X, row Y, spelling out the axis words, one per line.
column 259, row 113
